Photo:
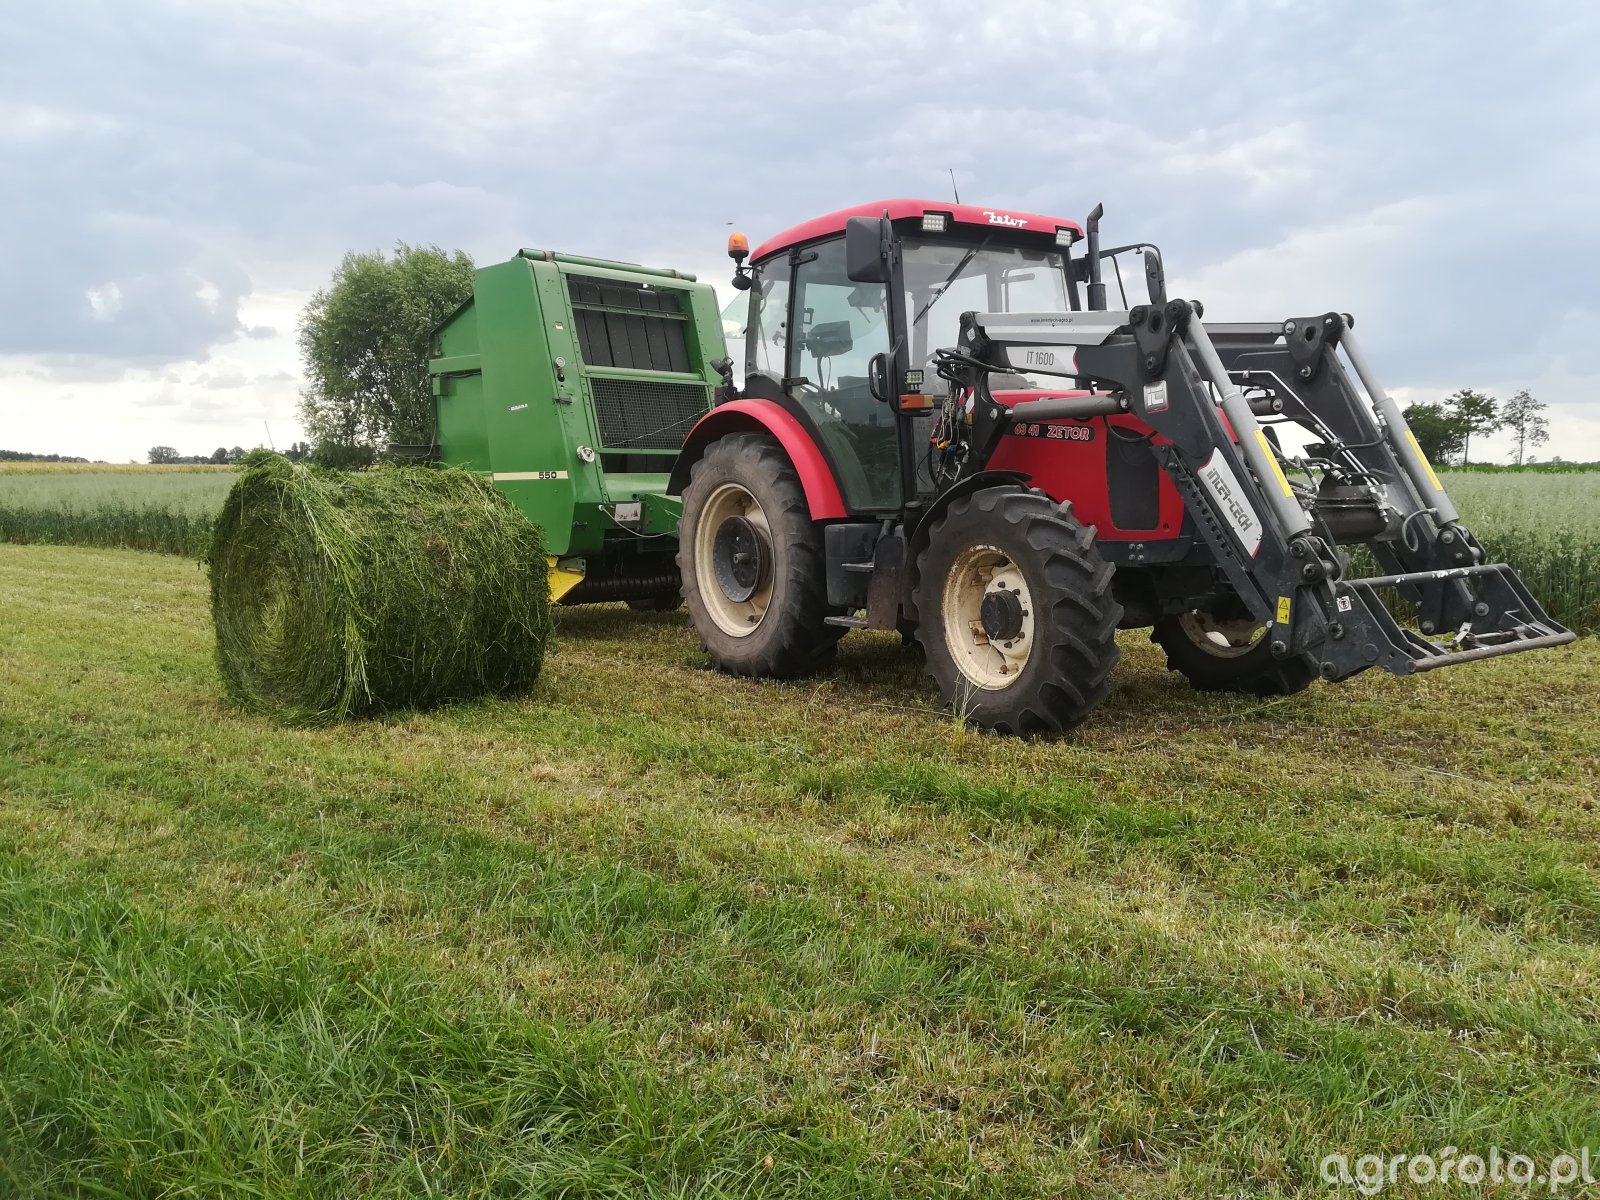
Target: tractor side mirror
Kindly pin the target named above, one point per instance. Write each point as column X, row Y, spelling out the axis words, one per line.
column 864, row 242
column 878, row 377
column 1155, row 275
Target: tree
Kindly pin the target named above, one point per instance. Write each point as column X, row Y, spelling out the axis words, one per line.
column 298, row 452
column 163, row 454
column 342, row 456
column 1476, row 413
column 364, row 341
column 1438, row 432
column 27, row 456
column 235, row 454
column 219, row 455
column 1524, row 417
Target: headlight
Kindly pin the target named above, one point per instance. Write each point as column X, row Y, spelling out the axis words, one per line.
column 1065, row 235
column 935, row 222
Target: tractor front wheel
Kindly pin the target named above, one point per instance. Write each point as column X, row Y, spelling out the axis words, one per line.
column 751, row 559
column 1015, row 612
column 1221, row 653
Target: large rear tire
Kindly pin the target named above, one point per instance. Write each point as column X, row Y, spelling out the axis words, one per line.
column 752, row 562
column 1228, row 654
column 1015, row 612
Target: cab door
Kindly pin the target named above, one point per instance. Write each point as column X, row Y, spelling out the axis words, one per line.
column 835, row 328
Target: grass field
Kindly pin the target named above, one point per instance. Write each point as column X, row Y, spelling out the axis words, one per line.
column 1547, row 525
column 60, row 468
column 713, row 937
column 137, row 508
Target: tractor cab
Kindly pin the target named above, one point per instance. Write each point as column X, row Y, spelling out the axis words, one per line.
column 847, row 312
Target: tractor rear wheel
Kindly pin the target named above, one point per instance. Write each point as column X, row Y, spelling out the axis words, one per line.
column 752, row 562
column 1015, row 612
column 1221, row 653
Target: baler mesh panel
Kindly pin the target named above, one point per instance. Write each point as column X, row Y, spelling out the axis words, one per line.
column 640, row 414
column 628, row 325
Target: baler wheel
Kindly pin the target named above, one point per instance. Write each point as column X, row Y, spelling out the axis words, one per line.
column 1016, row 613
column 1222, row 654
column 751, row 559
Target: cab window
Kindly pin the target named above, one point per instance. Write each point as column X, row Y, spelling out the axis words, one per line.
column 767, row 338
column 839, row 326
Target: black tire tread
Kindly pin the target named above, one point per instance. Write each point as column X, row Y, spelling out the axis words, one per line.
column 801, row 643
column 1083, row 614
column 1255, row 674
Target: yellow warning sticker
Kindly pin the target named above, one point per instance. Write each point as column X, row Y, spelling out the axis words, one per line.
column 1272, row 460
column 1426, row 465
column 1283, row 610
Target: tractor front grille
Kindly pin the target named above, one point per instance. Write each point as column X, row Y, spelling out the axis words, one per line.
column 641, row 414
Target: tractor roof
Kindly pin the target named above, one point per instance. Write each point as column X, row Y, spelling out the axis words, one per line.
column 960, row 214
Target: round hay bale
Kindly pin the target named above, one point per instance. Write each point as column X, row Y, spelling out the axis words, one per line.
column 338, row 594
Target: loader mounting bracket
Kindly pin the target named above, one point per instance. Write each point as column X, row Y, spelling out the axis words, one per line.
column 1306, row 337
column 1154, row 326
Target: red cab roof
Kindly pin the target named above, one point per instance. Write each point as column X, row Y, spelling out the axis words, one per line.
column 961, row 214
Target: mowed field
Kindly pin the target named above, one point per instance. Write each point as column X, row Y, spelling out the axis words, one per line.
column 657, row 932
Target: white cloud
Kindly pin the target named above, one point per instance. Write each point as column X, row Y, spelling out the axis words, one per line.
column 190, row 173
column 38, row 124
column 105, row 301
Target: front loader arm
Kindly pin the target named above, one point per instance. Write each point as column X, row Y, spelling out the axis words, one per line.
column 1275, row 542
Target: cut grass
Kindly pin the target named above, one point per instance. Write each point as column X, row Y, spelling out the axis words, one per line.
column 337, row 594
column 632, row 940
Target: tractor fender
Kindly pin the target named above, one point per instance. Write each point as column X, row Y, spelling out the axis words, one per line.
column 764, row 416
column 923, row 532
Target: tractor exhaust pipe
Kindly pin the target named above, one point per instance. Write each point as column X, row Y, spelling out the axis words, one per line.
column 1097, row 289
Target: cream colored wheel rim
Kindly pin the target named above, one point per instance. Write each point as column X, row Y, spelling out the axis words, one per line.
column 1222, row 639
column 738, row 618
column 988, row 664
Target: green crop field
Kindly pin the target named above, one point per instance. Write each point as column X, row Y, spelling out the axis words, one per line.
column 1544, row 523
column 715, row 937
column 140, row 508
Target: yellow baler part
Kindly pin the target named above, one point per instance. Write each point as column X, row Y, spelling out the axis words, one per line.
column 562, row 580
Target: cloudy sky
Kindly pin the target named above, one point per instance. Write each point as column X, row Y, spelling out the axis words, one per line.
column 176, row 178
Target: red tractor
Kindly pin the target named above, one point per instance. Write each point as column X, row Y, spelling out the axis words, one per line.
column 943, row 429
